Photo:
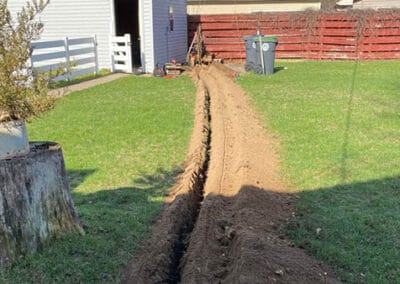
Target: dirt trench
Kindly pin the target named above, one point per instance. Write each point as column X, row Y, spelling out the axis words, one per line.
column 223, row 221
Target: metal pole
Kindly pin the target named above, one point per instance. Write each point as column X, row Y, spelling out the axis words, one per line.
column 259, row 38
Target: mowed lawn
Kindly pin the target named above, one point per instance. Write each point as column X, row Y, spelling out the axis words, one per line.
column 339, row 128
column 123, row 145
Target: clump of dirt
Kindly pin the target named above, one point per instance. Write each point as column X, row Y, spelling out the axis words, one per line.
column 237, row 236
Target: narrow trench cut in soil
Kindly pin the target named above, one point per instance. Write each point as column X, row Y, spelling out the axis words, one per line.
column 180, row 245
column 223, row 221
column 160, row 255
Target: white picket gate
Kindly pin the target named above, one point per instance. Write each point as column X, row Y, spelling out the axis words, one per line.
column 77, row 56
column 121, row 53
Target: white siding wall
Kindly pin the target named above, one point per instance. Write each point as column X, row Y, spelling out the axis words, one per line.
column 146, row 34
column 203, row 8
column 83, row 18
column 169, row 45
column 377, row 4
column 76, row 18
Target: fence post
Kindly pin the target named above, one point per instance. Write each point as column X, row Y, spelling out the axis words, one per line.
column 67, row 59
column 30, row 61
column 128, row 45
column 321, row 22
column 96, row 56
column 112, row 54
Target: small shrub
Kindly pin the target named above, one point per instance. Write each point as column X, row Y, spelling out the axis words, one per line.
column 23, row 92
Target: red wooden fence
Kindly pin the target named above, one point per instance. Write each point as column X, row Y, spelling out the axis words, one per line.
column 304, row 35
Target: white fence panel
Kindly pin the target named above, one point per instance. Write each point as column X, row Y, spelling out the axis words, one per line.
column 121, row 54
column 77, row 56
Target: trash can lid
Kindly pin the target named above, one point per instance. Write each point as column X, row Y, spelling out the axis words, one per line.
column 266, row 38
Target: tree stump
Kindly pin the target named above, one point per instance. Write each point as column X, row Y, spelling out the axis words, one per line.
column 35, row 201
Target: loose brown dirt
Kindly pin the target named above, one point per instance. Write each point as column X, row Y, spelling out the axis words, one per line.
column 224, row 221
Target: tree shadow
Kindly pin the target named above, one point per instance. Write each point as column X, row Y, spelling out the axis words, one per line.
column 145, row 189
column 77, row 177
column 354, row 227
column 358, row 228
column 158, row 181
column 115, row 221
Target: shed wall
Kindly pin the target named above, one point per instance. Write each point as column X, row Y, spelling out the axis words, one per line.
column 76, row 18
column 376, row 4
column 146, row 34
column 168, row 44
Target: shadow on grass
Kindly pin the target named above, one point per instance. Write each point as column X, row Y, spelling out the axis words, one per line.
column 358, row 227
column 279, row 68
column 158, row 180
column 115, row 221
column 145, row 190
column 76, row 177
column 146, row 185
column 352, row 227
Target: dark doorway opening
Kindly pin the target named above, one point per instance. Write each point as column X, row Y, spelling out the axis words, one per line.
column 127, row 22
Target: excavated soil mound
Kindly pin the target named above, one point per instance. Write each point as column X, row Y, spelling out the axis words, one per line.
column 223, row 222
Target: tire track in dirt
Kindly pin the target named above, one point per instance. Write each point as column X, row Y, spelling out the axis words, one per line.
column 238, row 207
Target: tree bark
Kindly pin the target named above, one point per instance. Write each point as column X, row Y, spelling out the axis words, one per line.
column 35, row 202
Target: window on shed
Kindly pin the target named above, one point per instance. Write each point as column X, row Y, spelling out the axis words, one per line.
column 171, row 18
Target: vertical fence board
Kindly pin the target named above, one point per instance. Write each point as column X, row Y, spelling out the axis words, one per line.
column 121, row 54
column 77, row 56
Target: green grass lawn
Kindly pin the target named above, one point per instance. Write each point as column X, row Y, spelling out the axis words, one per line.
column 339, row 128
column 123, row 145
